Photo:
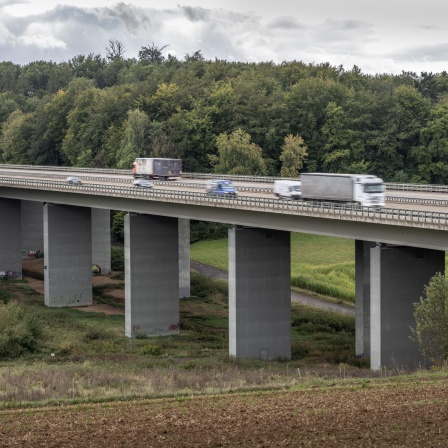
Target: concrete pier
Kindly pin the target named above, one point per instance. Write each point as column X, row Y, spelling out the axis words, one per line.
column 32, row 219
column 362, row 293
column 184, row 258
column 10, row 239
column 152, row 275
column 398, row 276
column 67, row 255
column 101, row 241
column 259, row 293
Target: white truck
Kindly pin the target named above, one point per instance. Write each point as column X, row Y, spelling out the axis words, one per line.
column 157, row 168
column 363, row 189
column 289, row 189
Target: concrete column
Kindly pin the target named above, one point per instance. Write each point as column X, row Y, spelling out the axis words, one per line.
column 151, row 250
column 101, row 242
column 184, row 258
column 398, row 277
column 362, row 293
column 67, row 255
column 10, row 253
column 259, row 293
column 32, row 226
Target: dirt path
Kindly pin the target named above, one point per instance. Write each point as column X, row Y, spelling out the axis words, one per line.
column 315, row 302
column 36, row 265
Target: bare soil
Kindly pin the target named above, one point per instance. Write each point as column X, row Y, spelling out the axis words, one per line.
column 385, row 414
column 35, row 266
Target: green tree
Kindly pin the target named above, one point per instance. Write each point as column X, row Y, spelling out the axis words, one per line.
column 431, row 317
column 151, row 54
column 343, row 149
column 293, row 155
column 307, row 101
column 15, row 138
column 237, row 155
column 135, row 138
column 431, row 157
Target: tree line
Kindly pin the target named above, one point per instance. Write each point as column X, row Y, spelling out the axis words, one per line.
column 224, row 117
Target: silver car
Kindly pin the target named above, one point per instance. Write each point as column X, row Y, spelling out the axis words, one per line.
column 142, row 183
column 73, row 180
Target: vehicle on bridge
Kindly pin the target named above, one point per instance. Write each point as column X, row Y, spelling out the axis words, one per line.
column 218, row 187
column 73, row 180
column 363, row 189
column 157, row 168
column 142, row 183
column 289, row 189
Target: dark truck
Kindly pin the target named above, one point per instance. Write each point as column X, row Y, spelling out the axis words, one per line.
column 157, row 168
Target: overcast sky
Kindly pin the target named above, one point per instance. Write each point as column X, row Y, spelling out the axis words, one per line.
column 379, row 36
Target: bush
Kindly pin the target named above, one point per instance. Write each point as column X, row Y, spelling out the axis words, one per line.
column 19, row 332
column 117, row 227
column 5, row 296
column 150, row 350
column 202, row 231
column 204, row 287
column 117, row 259
column 431, row 317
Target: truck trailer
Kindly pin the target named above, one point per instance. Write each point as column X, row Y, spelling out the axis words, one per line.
column 363, row 189
column 157, row 168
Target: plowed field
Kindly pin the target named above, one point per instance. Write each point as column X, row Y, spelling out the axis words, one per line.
column 380, row 414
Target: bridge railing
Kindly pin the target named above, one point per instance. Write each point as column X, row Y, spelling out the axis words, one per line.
column 431, row 188
column 321, row 209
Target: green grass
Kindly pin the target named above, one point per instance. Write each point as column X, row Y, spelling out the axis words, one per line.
column 320, row 264
column 84, row 356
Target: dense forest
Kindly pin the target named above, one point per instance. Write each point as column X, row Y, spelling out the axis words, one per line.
column 235, row 117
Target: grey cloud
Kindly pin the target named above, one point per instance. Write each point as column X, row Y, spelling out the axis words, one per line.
column 196, row 14
column 285, row 23
column 131, row 16
column 430, row 53
column 64, row 32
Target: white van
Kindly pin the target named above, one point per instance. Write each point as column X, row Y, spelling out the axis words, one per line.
column 291, row 189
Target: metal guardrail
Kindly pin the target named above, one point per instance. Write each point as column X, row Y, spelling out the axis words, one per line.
column 321, row 209
column 391, row 186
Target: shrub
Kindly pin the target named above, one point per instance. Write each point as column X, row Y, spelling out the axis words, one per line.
column 5, row 296
column 117, row 227
column 19, row 332
column 204, row 287
column 431, row 317
column 150, row 350
column 202, row 231
column 117, row 259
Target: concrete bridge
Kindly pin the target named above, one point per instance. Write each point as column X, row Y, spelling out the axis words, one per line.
column 397, row 251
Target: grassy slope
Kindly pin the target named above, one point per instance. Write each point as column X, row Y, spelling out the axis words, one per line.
column 321, row 264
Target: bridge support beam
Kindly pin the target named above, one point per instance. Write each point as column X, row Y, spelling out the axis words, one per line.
column 259, row 293
column 184, row 258
column 151, row 248
column 10, row 252
column 68, row 255
column 362, row 293
column 32, row 219
column 101, row 243
column 398, row 276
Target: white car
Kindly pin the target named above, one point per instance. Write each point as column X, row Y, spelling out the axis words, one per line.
column 142, row 183
column 73, row 180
